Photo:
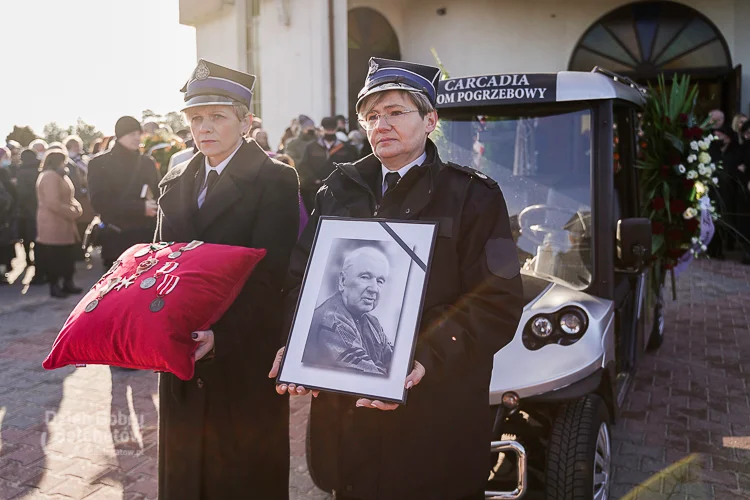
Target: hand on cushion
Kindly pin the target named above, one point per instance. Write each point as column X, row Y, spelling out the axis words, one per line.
column 205, row 341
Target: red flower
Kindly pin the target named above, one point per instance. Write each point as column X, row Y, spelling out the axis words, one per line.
column 692, row 224
column 688, row 184
column 657, row 227
column 697, row 132
column 674, row 157
column 683, row 118
column 667, row 120
column 644, row 145
column 677, row 206
column 674, row 234
column 658, row 203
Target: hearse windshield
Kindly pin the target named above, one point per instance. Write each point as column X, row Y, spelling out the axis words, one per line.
column 542, row 162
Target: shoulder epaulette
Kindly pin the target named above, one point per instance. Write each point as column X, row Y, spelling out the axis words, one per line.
column 474, row 173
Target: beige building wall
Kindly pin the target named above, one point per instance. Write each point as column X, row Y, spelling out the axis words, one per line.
column 473, row 37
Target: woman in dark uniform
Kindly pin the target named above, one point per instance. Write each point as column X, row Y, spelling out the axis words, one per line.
column 225, row 433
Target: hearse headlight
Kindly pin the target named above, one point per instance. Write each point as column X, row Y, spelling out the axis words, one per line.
column 571, row 323
column 542, row 327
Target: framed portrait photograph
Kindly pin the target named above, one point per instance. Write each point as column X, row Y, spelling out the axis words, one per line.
column 357, row 318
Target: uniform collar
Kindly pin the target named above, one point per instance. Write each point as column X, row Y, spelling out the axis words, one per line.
column 221, row 166
column 405, row 169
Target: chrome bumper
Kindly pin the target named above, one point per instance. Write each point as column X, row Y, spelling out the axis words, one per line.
column 520, row 491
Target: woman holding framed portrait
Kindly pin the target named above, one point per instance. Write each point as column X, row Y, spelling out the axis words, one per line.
column 436, row 445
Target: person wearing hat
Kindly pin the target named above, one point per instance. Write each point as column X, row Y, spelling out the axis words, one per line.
column 319, row 158
column 225, row 433
column 307, row 134
column 122, row 183
column 437, row 446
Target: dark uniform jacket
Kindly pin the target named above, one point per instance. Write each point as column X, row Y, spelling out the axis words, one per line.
column 318, row 162
column 437, row 445
column 115, row 181
column 225, row 433
column 339, row 340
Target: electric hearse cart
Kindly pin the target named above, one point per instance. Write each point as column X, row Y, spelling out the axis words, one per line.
column 562, row 147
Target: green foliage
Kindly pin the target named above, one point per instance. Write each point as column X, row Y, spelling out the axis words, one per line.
column 53, row 132
column 23, row 135
column 175, row 120
column 676, row 172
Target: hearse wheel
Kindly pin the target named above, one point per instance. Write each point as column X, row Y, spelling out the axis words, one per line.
column 657, row 329
column 580, row 451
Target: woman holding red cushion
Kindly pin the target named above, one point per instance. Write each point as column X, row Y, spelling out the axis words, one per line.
column 225, row 434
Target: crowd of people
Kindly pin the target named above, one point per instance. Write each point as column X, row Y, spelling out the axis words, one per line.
column 115, row 179
column 732, row 151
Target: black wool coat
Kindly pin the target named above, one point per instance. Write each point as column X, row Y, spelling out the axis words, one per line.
column 115, row 181
column 225, row 433
column 437, row 446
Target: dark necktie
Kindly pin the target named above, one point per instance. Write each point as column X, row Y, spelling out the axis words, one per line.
column 391, row 179
column 213, row 176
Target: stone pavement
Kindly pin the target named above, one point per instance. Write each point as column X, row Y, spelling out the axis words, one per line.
column 91, row 432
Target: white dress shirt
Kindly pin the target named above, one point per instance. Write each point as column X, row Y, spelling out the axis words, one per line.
column 401, row 171
column 219, row 169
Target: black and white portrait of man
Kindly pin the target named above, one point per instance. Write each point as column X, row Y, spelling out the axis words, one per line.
column 346, row 332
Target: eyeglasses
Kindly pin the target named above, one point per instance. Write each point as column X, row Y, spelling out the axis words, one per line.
column 392, row 118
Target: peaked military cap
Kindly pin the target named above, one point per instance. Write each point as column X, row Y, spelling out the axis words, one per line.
column 212, row 84
column 386, row 74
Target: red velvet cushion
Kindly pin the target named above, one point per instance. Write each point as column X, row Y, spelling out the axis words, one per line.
column 123, row 331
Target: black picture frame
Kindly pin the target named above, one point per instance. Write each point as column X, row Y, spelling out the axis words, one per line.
column 330, row 376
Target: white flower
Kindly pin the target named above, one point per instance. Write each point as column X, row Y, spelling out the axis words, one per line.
column 702, row 169
column 712, row 209
column 704, row 247
column 700, row 189
column 704, row 158
column 715, row 180
column 695, row 239
column 689, row 213
column 704, row 145
column 694, row 145
column 692, row 158
column 712, row 167
column 681, row 168
column 692, row 174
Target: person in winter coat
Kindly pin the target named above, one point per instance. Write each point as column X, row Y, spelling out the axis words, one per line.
column 8, row 216
column 57, row 235
column 307, row 134
column 26, row 178
column 123, row 186
column 743, row 193
column 225, row 433
column 318, row 160
column 437, row 446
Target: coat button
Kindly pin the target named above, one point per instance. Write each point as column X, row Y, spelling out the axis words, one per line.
column 407, row 211
column 200, row 383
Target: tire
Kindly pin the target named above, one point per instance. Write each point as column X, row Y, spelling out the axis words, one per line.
column 579, row 452
column 656, row 339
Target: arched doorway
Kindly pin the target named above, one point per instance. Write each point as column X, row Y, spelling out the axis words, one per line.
column 370, row 35
column 645, row 39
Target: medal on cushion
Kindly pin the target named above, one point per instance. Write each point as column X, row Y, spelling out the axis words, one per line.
column 165, row 288
column 166, row 269
column 112, row 269
column 190, row 246
column 109, row 285
column 153, row 247
column 142, row 268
